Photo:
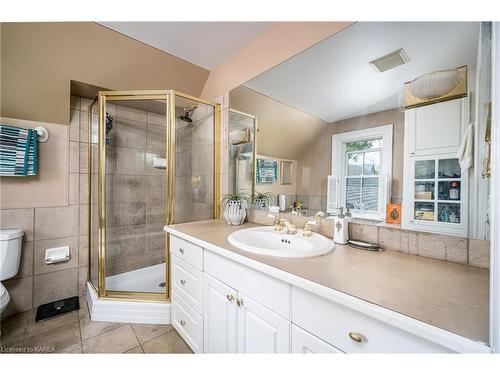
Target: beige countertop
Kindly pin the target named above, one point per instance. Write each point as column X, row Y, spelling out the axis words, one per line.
column 451, row 296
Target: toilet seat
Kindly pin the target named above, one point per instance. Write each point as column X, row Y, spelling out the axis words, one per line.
column 4, row 298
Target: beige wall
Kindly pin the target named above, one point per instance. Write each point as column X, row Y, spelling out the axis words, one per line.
column 276, row 187
column 283, row 132
column 315, row 161
column 278, row 43
column 40, row 59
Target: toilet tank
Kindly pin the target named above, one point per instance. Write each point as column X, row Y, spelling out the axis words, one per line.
column 11, row 241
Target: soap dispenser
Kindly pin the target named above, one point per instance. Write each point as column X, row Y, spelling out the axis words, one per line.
column 340, row 227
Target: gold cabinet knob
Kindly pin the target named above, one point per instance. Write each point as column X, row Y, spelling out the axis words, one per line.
column 183, row 322
column 183, row 282
column 181, row 251
column 239, row 302
column 356, row 337
column 230, row 297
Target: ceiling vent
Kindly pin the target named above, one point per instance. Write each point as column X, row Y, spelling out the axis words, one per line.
column 390, row 60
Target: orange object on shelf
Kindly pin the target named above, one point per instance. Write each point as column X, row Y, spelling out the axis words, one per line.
column 393, row 213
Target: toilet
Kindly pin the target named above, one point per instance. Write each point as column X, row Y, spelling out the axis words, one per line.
column 10, row 256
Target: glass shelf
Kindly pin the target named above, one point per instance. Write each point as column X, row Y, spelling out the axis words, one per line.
column 449, row 212
column 437, row 195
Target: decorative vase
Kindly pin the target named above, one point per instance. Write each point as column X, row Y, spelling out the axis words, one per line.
column 235, row 213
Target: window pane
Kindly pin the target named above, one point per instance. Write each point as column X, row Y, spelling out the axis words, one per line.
column 369, row 199
column 424, row 190
column 449, row 212
column 449, row 168
column 449, row 190
column 353, row 192
column 371, row 165
column 425, row 169
column 364, row 145
column 424, row 211
column 354, row 164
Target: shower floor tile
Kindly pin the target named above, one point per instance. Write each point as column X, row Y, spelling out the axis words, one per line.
column 76, row 333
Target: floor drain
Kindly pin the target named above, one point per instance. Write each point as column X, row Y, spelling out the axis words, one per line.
column 162, row 285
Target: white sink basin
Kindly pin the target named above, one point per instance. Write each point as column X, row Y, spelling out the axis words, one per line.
column 265, row 241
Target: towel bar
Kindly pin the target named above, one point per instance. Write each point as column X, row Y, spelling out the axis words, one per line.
column 43, row 134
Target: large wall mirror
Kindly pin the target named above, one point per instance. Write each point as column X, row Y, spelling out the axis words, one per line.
column 377, row 125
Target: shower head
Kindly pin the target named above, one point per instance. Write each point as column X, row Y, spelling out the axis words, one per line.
column 186, row 117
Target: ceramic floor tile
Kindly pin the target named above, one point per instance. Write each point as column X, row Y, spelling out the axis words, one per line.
column 36, row 328
column 14, row 327
column 119, row 340
column 147, row 332
column 89, row 328
column 49, row 342
column 167, row 343
column 136, row 350
column 73, row 349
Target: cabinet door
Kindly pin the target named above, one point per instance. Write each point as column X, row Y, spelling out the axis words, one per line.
column 219, row 317
column 436, row 128
column 260, row 330
column 304, row 342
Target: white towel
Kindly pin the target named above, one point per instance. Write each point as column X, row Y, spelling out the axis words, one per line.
column 465, row 153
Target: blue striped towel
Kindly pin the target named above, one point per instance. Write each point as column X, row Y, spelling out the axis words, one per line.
column 267, row 171
column 18, row 151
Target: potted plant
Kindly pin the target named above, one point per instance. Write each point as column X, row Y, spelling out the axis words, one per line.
column 233, row 206
column 261, row 201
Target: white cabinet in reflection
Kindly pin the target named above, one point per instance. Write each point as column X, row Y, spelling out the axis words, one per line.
column 435, row 192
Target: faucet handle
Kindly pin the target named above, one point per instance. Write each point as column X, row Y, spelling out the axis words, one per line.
column 277, row 220
column 309, row 223
column 307, row 230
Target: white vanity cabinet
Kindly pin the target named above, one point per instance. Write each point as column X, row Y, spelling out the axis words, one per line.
column 236, row 322
column 220, row 315
column 225, row 303
column 306, row 343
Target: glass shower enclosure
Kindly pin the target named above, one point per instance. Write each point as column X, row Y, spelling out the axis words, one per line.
column 155, row 161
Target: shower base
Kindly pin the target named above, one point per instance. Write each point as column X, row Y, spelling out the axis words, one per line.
column 148, row 279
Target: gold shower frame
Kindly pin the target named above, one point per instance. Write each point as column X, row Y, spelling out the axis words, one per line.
column 169, row 96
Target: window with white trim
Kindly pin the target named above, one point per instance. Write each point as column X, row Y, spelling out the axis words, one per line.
column 361, row 167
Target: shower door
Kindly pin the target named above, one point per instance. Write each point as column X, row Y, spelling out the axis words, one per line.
column 155, row 163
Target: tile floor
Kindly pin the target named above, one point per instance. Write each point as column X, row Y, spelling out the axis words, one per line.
column 76, row 333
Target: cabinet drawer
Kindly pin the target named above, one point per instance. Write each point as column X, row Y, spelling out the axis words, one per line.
column 264, row 289
column 340, row 326
column 187, row 251
column 187, row 323
column 304, row 342
column 187, row 282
